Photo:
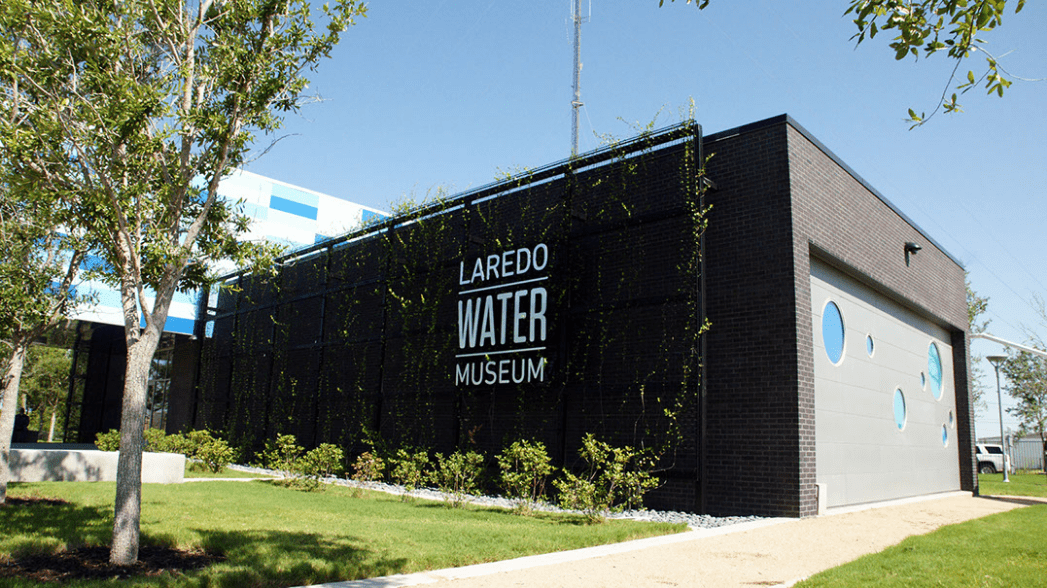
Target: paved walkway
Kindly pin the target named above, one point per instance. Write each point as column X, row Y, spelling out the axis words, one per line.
column 774, row 552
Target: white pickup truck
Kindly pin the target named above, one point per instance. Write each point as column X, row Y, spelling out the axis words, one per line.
column 990, row 458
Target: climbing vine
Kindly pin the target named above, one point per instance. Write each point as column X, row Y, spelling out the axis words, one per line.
column 367, row 337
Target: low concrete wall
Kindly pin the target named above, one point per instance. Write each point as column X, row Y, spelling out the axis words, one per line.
column 70, row 465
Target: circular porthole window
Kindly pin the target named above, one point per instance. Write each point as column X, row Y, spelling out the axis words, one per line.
column 899, row 408
column 832, row 331
column 945, row 436
column 869, row 345
column 923, row 380
column 934, row 370
column 952, row 420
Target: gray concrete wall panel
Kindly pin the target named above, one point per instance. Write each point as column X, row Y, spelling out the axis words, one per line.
column 862, row 454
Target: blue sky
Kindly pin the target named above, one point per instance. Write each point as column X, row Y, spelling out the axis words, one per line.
column 445, row 95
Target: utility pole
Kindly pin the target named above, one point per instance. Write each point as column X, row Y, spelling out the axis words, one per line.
column 997, row 361
column 576, row 103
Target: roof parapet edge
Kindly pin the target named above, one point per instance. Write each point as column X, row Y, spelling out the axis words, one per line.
column 789, row 120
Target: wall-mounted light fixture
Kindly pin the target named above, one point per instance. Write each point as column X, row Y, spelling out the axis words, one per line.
column 911, row 249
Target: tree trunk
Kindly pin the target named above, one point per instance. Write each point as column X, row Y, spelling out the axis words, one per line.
column 8, row 408
column 51, row 429
column 128, row 507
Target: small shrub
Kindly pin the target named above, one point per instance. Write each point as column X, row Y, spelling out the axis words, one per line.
column 195, row 440
column 368, row 468
column 201, row 445
column 524, row 469
column 282, row 453
column 409, row 469
column 325, row 460
column 155, row 440
column 458, row 474
column 216, row 454
column 615, row 478
column 178, row 443
column 108, row 441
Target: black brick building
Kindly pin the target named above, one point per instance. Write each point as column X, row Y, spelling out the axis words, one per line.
column 435, row 330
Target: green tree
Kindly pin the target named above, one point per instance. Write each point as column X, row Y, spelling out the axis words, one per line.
column 155, row 102
column 928, row 27
column 1027, row 383
column 976, row 307
column 45, row 386
column 41, row 255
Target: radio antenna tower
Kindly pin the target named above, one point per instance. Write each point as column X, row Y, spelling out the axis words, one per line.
column 576, row 103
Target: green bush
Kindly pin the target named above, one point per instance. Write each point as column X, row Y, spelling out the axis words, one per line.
column 614, row 478
column 194, row 440
column 179, row 443
column 216, row 454
column 201, row 445
column 155, row 440
column 282, row 453
column 409, row 469
column 458, row 474
column 306, row 469
column 108, row 441
column 524, row 469
column 325, row 460
column 368, row 468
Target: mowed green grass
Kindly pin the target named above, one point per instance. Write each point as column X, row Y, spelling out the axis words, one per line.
column 276, row 536
column 1033, row 484
column 198, row 470
column 1003, row 550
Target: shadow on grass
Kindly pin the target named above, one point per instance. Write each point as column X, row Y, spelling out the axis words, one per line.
column 42, row 526
column 1023, row 501
column 252, row 558
column 279, row 558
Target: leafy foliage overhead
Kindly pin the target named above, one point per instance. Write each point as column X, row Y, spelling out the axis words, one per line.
column 930, row 26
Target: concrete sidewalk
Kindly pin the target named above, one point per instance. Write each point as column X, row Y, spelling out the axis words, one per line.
column 772, row 552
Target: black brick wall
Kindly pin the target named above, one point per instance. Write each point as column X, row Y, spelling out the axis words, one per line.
column 331, row 351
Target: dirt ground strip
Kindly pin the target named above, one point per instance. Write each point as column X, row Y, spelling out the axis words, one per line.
column 769, row 556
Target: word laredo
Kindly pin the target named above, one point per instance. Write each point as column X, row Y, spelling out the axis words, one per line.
column 506, row 319
column 505, row 265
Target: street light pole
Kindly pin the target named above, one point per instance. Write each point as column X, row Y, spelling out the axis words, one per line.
column 996, row 360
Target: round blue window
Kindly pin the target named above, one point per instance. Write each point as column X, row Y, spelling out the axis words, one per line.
column 945, row 436
column 869, row 345
column 934, row 370
column 899, row 408
column 832, row 331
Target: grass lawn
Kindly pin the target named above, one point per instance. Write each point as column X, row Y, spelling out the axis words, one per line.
column 1034, row 484
column 276, row 536
column 1002, row 550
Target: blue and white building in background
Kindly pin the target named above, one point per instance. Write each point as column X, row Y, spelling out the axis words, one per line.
column 281, row 213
